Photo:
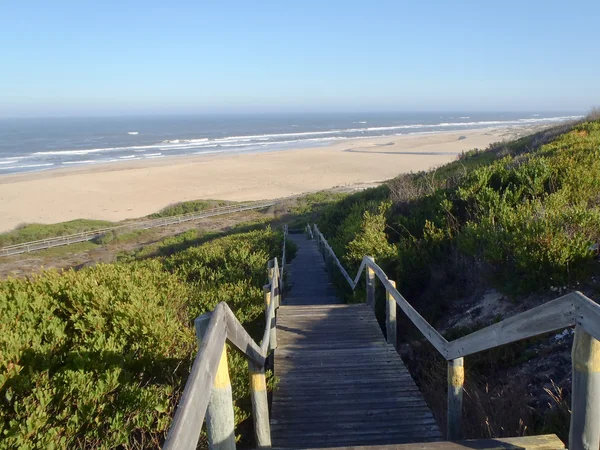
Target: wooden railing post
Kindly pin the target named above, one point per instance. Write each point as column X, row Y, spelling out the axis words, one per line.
column 390, row 317
column 273, row 332
column 220, row 424
column 370, row 273
column 273, row 279
column 456, row 380
column 584, row 433
column 260, row 405
column 270, row 269
column 277, row 290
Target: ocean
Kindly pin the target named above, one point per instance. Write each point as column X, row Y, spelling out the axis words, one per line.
column 28, row 145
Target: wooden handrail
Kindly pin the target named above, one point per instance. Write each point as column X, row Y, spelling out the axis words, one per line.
column 206, row 380
column 566, row 311
column 573, row 309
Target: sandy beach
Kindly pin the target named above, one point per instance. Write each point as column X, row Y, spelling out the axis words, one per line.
column 119, row 191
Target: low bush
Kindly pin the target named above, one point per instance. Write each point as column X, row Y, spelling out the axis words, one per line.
column 97, row 358
column 188, row 208
column 528, row 219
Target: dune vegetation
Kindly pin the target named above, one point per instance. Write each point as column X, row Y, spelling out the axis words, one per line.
column 522, row 217
column 189, row 207
column 97, row 358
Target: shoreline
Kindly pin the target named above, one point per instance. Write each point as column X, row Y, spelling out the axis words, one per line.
column 507, row 132
column 131, row 189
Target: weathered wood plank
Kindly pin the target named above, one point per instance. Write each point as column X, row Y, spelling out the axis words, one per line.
column 374, row 425
column 239, row 337
column 387, row 430
column 320, row 344
column 398, row 399
column 341, row 365
column 341, row 307
column 312, row 333
column 550, row 316
column 402, row 401
column 339, row 442
column 544, row 442
column 387, row 371
column 310, row 414
column 349, row 382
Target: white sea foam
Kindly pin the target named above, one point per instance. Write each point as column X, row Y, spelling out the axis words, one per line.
column 26, row 166
column 127, row 157
column 87, row 161
column 184, row 144
column 209, row 151
column 11, row 159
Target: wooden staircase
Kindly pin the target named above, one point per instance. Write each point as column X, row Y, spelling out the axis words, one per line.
column 340, row 383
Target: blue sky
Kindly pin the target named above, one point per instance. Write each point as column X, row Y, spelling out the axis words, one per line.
column 132, row 57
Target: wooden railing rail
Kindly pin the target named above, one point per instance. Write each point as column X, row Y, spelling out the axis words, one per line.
column 573, row 309
column 283, row 258
column 207, row 393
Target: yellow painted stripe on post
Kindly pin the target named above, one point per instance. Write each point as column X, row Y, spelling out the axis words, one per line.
column 222, row 376
column 586, row 353
column 456, row 376
column 258, row 382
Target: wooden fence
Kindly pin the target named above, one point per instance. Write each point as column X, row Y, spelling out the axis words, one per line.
column 207, row 393
column 573, row 309
column 138, row 225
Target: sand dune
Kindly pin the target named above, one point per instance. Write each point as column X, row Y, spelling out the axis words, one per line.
column 132, row 189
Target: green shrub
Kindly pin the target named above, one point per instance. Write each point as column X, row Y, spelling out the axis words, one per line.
column 531, row 217
column 97, row 358
column 188, row 208
column 91, row 359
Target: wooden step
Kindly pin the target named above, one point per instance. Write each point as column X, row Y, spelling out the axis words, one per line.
column 542, row 442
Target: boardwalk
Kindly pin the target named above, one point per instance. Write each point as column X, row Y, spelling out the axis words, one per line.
column 339, row 382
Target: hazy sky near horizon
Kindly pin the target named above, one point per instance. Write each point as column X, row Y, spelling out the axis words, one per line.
column 150, row 57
